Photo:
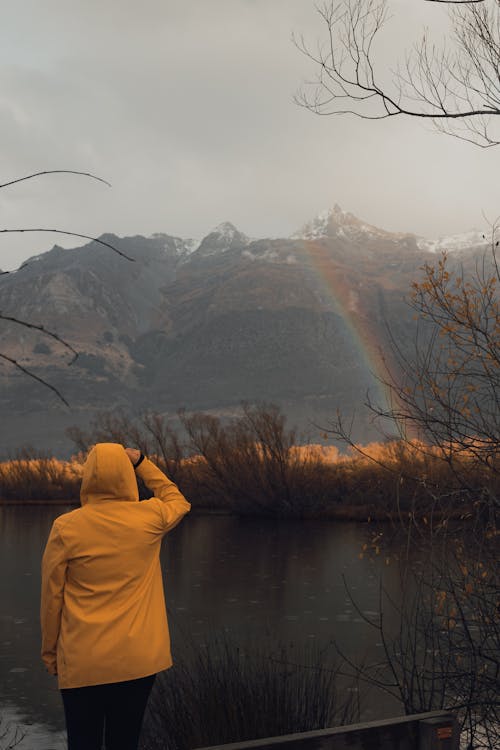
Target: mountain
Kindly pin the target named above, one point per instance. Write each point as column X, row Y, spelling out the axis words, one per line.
column 300, row 321
column 335, row 223
column 223, row 238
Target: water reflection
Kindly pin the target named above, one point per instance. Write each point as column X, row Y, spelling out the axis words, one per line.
column 266, row 574
column 254, row 578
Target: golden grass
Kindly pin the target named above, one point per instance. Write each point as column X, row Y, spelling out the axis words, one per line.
column 377, row 481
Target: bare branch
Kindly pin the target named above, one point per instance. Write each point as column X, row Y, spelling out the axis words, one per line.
column 35, row 326
column 31, row 374
column 43, row 330
column 69, row 234
column 458, row 90
column 55, row 171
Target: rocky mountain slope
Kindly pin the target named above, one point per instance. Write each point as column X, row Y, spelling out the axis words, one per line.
column 300, row 321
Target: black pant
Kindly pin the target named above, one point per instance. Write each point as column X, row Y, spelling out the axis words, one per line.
column 115, row 709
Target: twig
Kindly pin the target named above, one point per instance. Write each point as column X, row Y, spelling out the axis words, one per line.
column 55, row 171
column 35, row 377
column 70, row 234
column 44, row 330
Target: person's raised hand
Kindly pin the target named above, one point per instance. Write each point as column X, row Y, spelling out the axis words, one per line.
column 133, row 454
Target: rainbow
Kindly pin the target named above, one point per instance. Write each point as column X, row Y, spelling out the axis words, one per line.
column 332, row 277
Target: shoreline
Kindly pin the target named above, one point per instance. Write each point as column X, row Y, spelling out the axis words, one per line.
column 362, row 513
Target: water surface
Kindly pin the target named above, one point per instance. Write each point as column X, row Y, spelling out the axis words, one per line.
column 252, row 578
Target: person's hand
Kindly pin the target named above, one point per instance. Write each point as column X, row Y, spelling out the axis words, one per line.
column 133, row 454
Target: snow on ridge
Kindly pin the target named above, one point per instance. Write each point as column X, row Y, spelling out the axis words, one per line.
column 328, row 223
column 186, row 249
column 270, row 255
column 315, row 228
column 189, row 246
column 227, row 233
column 225, row 230
column 453, row 242
column 222, row 238
column 218, row 240
column 180, row 245
column 336, row 221
column 318, row 227
column 339, row 223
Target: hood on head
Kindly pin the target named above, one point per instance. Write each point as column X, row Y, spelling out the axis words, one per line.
column 108, row 474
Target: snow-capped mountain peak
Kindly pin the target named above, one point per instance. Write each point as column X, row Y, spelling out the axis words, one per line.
column 226, row 230
column 319, row 226
column 335, row 222
column 224, row 237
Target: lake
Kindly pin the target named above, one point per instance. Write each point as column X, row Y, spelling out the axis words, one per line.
column 253, row 577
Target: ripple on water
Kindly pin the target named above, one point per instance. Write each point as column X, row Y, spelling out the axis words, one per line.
column 343, row 618
column 25, row 735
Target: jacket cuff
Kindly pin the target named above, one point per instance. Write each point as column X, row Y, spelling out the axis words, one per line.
column 139, row 460
column 51, row 666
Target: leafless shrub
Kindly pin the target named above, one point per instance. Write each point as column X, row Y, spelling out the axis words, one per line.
column 227, row 691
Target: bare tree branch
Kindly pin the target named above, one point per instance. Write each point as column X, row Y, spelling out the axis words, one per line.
column 55, row 171
column 31, row 374
column 44, row 330
column 35, row 326
column 457, row 89
column 69, row 234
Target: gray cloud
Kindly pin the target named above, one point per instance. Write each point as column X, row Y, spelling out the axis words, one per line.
column 186, row 107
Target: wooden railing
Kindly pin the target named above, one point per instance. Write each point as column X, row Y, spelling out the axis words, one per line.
column 437, row 730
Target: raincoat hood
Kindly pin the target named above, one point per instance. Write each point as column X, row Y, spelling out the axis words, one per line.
column 108, row 474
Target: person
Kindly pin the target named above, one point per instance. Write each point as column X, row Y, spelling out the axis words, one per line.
column 102, row 612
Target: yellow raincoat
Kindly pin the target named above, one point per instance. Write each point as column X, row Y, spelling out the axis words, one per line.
column 103, row 616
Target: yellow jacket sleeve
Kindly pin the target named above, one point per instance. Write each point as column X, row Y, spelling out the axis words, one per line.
column 53, row 579
column 174, row 504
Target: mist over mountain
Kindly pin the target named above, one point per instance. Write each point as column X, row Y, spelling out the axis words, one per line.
column 300, row 321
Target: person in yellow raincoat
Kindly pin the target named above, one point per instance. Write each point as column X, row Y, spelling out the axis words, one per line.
column 102, row 613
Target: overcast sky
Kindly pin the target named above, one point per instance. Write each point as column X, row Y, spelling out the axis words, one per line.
column 186, row 107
